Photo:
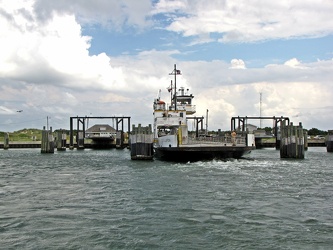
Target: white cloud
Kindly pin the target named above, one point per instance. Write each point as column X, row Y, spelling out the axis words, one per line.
column 254, row 20
column 54, row 53
column 165, row 6
column 110, row 13
column 46, row 69
column 237, row 64
column 6, row 111
column 294, row 63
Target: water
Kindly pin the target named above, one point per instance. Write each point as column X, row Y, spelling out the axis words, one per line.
column 102, row 200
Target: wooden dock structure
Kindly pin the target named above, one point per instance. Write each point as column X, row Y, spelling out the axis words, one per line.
column 61, row 140
column 141, row 143
column 242, row 122
column 81, row 124
column 6, row 141
column 292, row 141
column 47, row 145
column 329, row 141
column 120, row 140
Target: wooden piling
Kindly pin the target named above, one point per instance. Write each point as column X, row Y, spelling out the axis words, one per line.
column 47, row 145
column 141, row 143
column 61, row 140
column 120, row 139
column 278, row 139
column 329, row 141
column 6, row 141
column 80, row 140
column 300, row 142
column 292, row 141
column 306, row 145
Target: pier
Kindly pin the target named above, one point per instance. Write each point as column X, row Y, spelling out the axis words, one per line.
column 292, row 141
column 243, row 122
column 79, row 138
column 82, row 123
column 61, row 140
column 47, row 145
column 141, row 143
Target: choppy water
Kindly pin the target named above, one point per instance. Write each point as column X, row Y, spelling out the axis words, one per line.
column 102, row 200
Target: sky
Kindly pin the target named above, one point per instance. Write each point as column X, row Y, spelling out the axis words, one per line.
column 62, row 58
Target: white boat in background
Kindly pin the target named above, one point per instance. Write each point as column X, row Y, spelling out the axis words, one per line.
column 172, row 140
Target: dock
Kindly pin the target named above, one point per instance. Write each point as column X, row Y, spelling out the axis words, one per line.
column 141, row 143
column 37, row 144
column 271, row 143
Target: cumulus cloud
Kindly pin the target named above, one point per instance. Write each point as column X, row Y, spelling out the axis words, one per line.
column 46, row 68
column 237, row 64
column 53, row 53
column 294, row 63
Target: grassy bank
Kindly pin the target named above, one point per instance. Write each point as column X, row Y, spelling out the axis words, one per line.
column 23, row 135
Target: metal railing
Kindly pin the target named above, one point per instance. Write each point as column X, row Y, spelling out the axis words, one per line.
column 224, row 140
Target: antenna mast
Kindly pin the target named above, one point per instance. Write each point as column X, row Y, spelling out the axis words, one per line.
column 171, row 90
column 175, row 72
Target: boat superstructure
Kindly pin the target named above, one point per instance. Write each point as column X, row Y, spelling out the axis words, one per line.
column 172, row 140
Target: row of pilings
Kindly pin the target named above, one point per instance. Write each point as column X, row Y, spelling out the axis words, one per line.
column 58, row 140
column 47, row 145
column 141, row 143
column 292, row 141
column 292, row 144
column 49, row 142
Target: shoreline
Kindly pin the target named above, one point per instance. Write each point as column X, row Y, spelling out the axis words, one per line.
column 37, row 144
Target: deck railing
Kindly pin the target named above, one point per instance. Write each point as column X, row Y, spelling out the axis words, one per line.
column 224, row 140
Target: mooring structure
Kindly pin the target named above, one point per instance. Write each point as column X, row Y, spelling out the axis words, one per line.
column 242, row 122
column 292, row 141
column 47, row 145
column 198, row 121
column 141, row 143
column 81, row 125
column 329, row 141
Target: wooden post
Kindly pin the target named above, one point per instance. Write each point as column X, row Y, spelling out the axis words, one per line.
column 306, row 140
column 120, row 139
column 329, row 141
column 71, row 134
column 283, row 140
column 292, row 141
column 141, row 143
column 301, row 142
column 278, row 140
column 61, row 140
column 47, row 145
column 80, row 140
column 6, row 141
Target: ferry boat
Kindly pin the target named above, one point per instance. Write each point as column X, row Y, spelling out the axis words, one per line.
column 172, row 140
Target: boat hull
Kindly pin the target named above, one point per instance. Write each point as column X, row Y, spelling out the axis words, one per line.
column 185, row 154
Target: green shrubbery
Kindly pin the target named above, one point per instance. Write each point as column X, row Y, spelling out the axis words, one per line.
column 23, row 135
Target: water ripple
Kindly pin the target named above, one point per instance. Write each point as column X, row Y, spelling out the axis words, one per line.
column 100, row 199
